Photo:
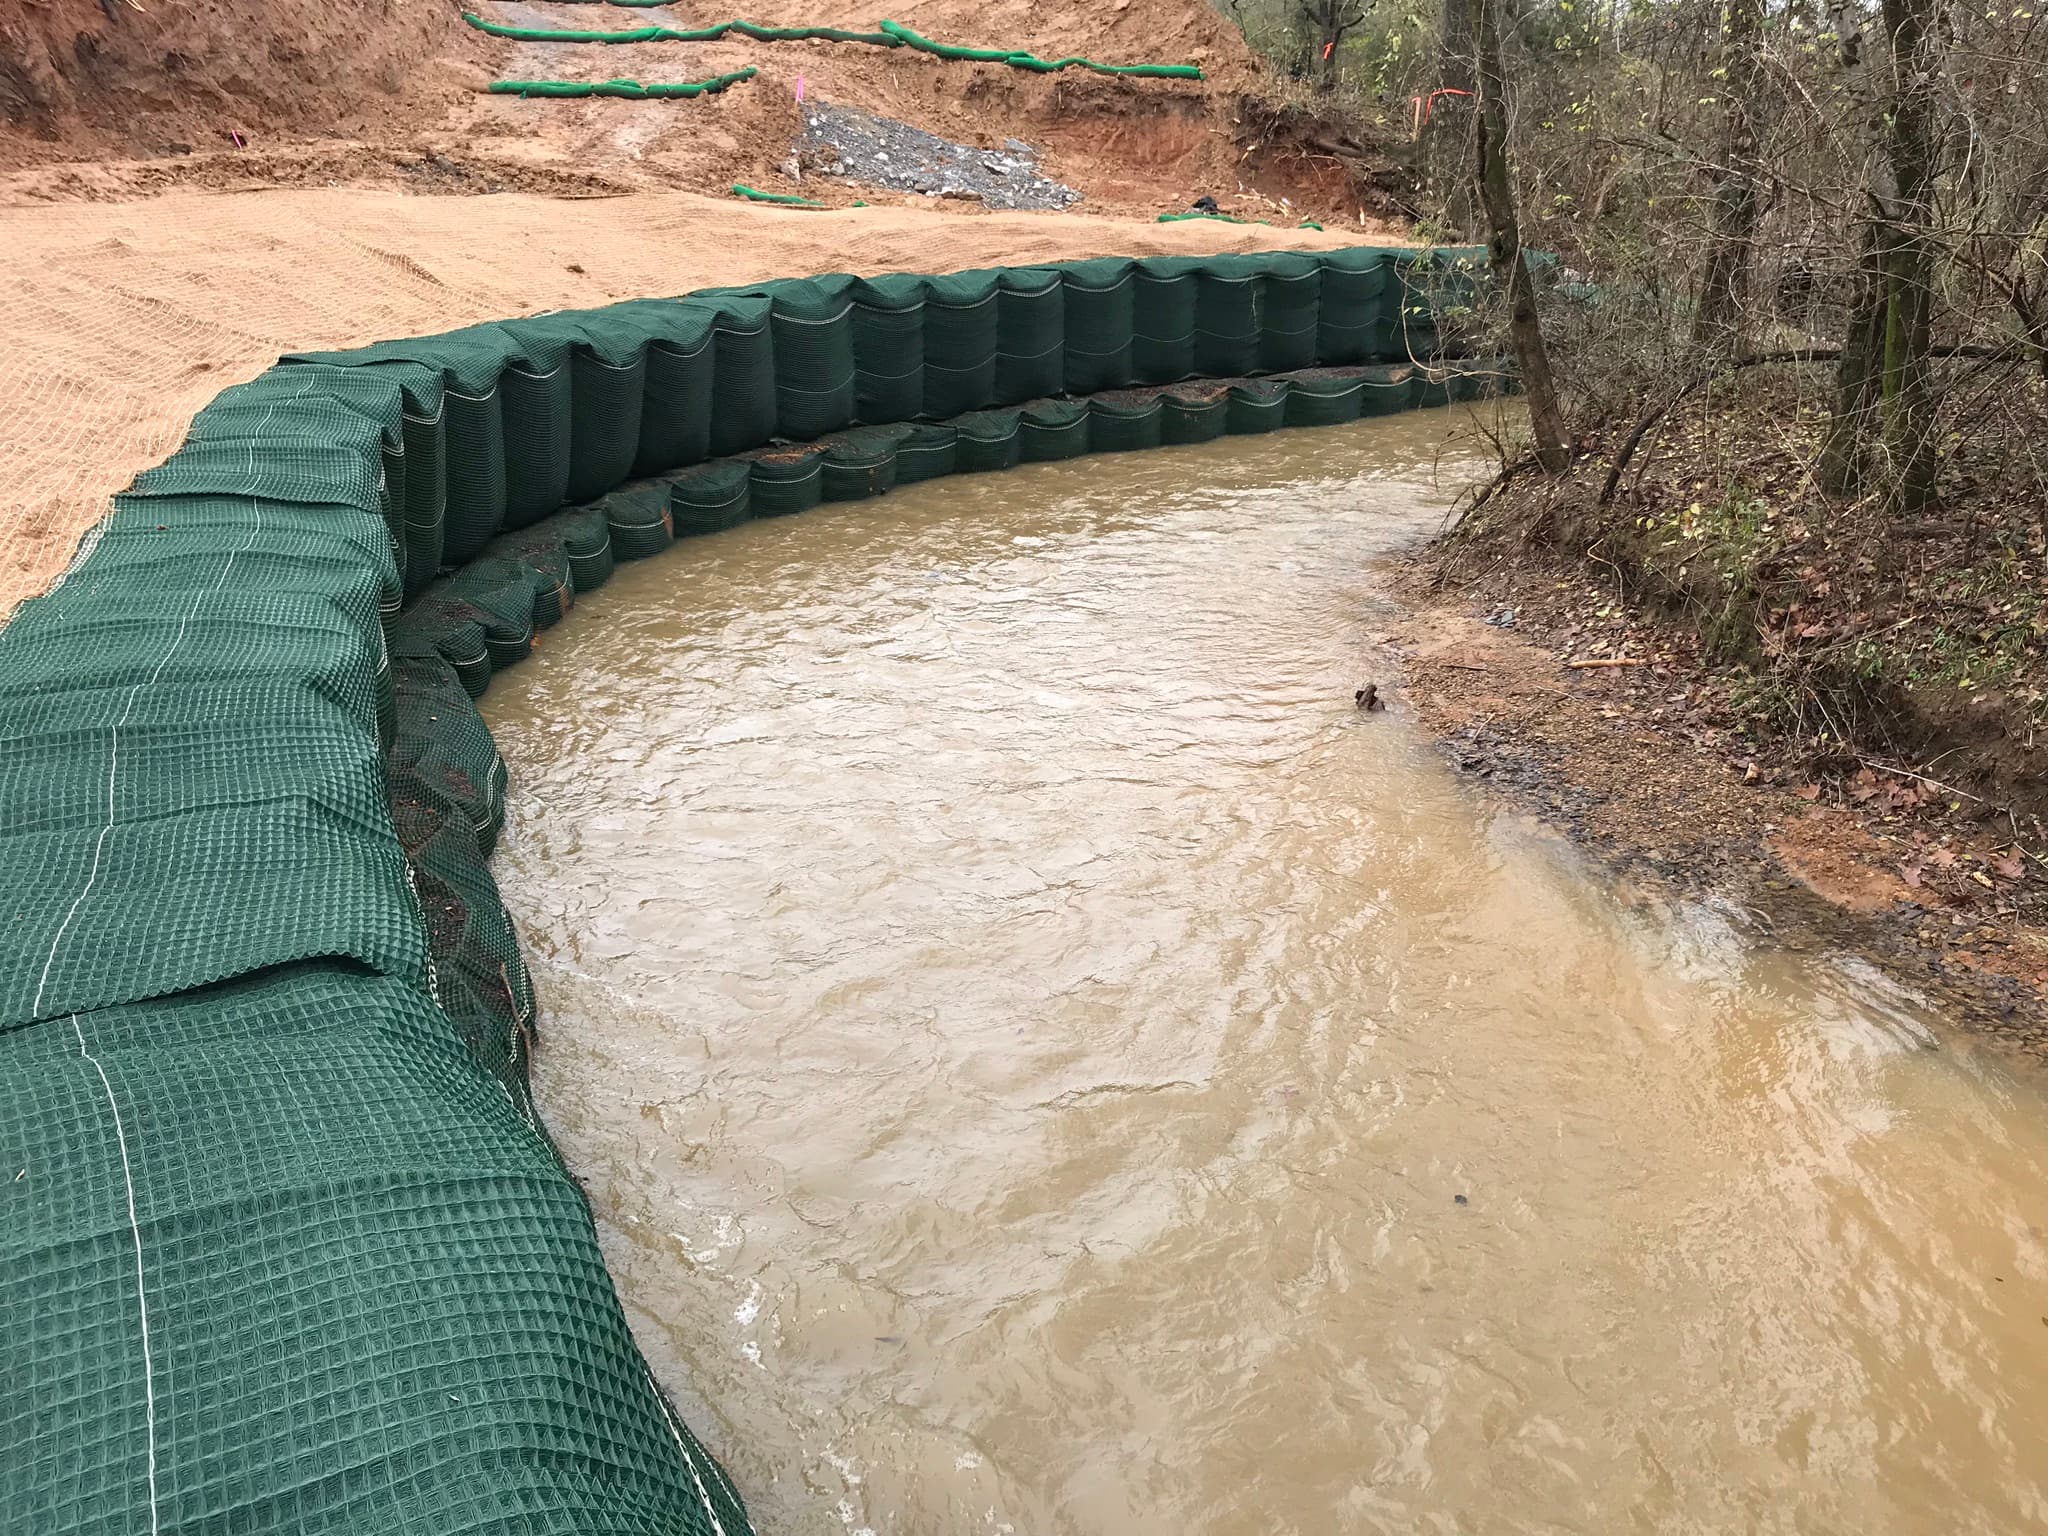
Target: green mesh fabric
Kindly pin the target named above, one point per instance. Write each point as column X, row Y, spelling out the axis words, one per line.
column 1163, row 319
column 812, row 323
column 1031, row 335
column 284, row 1259
column 675, row 415
column 986, row 440
column 888, row 348
column 1291, row 291
column 288, row 1252
column 861, row 463
column 783, row 481
column 1389, row 387
column 711, row 497
column 1230, row 296
column 1100, row 323
column 639, row 522
column 1256, row 405
column 1192, row 416
column 962, row 329
column 537, row 437
column 927, row 452
column 1348, row 312
column 1324, row 397
column 743, row 397
column 1121, row 421
column 1054, row 429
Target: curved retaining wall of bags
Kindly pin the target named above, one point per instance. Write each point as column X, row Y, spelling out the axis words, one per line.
column 284, row 1245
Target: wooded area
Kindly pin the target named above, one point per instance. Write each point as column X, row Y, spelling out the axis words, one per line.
column 1787, row 369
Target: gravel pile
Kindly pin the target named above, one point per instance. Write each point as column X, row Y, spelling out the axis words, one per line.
column 881, row 152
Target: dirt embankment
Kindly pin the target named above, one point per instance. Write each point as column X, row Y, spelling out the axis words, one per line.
column 104, row 99
column 1726, row 683
column 90, row 78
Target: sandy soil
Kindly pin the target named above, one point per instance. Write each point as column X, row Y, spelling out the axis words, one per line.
column 128, row 317
column 1645, row 765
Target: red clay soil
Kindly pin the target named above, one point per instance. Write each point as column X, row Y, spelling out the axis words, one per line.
column 104, row 99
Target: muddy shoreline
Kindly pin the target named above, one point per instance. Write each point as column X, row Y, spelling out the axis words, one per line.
column 1597, row 717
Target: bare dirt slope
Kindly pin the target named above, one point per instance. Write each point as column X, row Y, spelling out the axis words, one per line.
column 104, row 98
column 126, row 318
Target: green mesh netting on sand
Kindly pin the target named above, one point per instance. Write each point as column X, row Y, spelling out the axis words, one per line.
column 284, row 1248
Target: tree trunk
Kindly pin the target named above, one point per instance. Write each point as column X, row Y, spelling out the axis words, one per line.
column 1845, row 459
column 1909, row 259
column 1724, row 284
column 1842, row 457
column 1504, row 246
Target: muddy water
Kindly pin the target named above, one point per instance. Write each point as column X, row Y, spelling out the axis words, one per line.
column 1044, row 1062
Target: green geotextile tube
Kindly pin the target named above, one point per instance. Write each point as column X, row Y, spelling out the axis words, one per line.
column 786, row 199
column 892, row 35
column 630, row 90
column 1030, row 61
column 754, row 30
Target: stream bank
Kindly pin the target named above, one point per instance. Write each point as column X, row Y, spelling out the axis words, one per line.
column 1576, row 698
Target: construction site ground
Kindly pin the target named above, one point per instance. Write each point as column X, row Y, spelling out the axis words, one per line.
column 191, row 189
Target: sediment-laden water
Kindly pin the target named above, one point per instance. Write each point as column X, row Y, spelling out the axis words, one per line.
column 1044, row 1062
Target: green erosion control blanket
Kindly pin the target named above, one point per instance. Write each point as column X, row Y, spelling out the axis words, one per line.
column 891, row 34
column 282, row 1246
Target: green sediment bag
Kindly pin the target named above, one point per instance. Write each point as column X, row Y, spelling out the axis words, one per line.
column 1100, row 323
column 1019, row 60
column 961, row 336
column 986, row 440
column 1388, row 388
column 1256, row 405
column 888, row 348
column 1054, row 429
column 1229, row 316
column 711, row 497
column 587, row 542
column 1324, row 397
column 861, row 463
column 638, row 521
column 1193, row 414
column 537, row 409
column 1290, row 310
column 786, row 480
column 783, row 199
column 892, row 35
column 930, row 450
column 1031, row 334
column 1125, row 420
column 1163, row 319
column 676, row 412
column 743, row 397
column 1349, row 326
column 812, row 323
